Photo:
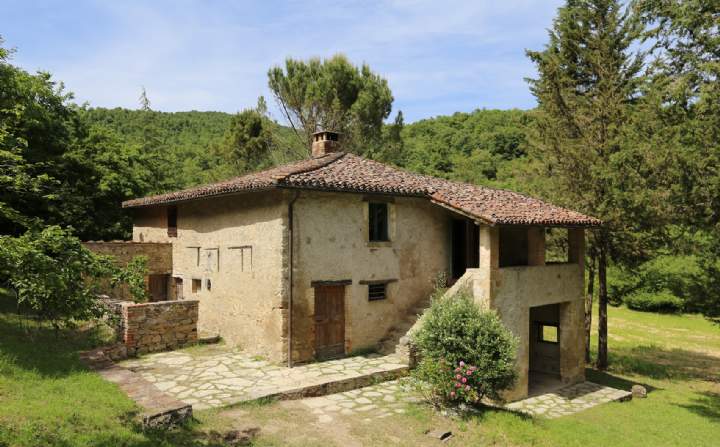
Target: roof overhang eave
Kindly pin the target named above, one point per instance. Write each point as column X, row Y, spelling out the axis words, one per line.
column 193, row 199
column 477, row 219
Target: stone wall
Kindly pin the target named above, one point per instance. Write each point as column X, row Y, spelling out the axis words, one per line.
column 234, row 249
column 160, row 326
column 331, row 244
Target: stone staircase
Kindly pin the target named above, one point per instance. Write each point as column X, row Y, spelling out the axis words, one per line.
column 397, row 339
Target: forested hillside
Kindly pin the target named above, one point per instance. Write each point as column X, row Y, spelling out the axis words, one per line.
column 475, row 147
column 188, row 139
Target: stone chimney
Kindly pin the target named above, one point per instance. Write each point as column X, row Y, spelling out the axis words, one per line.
column 325, row 142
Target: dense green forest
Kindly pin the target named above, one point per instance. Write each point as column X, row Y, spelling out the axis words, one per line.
column 478, row 147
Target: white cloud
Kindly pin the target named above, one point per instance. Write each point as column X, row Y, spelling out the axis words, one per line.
column 211, row 55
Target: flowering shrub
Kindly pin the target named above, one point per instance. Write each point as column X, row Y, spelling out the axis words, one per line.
column 466, row 353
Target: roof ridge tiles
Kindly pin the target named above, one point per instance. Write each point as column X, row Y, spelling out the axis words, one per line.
column 347, row 172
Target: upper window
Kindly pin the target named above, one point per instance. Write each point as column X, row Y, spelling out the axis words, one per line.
column 172, row 221
column 378, row 222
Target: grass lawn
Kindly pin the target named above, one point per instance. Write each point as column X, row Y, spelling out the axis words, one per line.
column 48, row 399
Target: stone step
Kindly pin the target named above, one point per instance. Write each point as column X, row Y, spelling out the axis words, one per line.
column 159, row 409
column 338, row 386
column 208, row 339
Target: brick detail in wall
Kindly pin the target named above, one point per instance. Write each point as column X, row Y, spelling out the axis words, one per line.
column 160, row 326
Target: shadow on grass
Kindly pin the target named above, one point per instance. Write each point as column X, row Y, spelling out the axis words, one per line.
column 663, row 364
column 31, row 345
column 707, row 406
column 604, row 378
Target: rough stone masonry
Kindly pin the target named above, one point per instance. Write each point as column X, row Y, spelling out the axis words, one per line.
column 160, row 326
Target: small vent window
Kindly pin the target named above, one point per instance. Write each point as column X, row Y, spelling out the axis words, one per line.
column 377, row 292
column 196, row 285
column 208, row 285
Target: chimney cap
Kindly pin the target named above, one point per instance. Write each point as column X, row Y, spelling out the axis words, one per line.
column 326, row 135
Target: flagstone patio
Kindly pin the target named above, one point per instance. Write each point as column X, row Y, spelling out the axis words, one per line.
column 388, row 398
column 216, row 376
column 568, row 400
column 372, row 402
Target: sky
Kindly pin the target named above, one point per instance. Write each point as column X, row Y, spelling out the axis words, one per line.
column 439, row 57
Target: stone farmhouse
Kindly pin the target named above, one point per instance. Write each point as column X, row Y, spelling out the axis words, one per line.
column 338, row 254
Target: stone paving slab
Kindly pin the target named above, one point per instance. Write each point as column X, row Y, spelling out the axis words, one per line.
column 372, row 402
column 216, row 376
column 569, row 400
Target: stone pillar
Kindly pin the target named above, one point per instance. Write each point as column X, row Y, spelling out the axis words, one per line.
column 572, row 342
column 576, row 246
column 536, row 246
column 489, row 266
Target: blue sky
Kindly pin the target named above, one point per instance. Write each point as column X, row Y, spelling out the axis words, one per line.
column 439, row 56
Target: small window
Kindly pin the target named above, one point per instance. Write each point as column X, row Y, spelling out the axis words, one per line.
column 196, row 285
column 208, row 285
column 548, row 333
column 378, row 217
column 377, row 292
column 172, row 221
column 178, row 288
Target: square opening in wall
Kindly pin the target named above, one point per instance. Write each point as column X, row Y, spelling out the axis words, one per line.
column 377, row 292
column 548, row 333
column 196, row 285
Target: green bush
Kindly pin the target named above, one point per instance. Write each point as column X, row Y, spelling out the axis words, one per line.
column 620, row 283
column 49, row 272
column 681, row 275
column 662, row 301
column 466, row 353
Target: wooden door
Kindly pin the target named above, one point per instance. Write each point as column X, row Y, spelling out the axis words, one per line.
column 157, row 287
column 329, row 322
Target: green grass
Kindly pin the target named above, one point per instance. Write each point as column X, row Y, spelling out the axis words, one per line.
column 677, row 357
column 47, row 398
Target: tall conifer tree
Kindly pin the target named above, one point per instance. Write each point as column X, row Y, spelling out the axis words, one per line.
column 588, row 78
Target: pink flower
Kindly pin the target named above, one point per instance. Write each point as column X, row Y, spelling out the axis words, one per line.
column 462, row 363
column 458, row 376
column 452, row 393
column 464, row 380
column 457, row 385
column 468, row 372
column 467, row 387
column 457, row 369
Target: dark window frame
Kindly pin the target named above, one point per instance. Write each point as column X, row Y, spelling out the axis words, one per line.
column 378, row 222
column 172, row 221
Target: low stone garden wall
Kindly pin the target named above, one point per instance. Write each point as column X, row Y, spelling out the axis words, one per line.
column 159, row 326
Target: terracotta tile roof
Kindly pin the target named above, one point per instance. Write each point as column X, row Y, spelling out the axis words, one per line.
column 351, row 173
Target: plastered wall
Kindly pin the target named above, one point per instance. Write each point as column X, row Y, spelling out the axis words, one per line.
column 331, row 243
column 234, row 248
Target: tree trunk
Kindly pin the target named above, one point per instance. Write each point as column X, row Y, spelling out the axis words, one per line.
column 602, row 360
column 588, row 305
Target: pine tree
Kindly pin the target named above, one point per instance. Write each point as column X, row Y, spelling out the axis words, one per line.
column 588, row 80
